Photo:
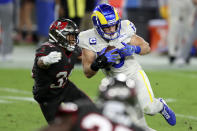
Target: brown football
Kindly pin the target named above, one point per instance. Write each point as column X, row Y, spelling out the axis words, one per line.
column 111, row 48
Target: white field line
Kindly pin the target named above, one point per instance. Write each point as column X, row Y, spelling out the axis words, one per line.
column 32, row 100
column 170, row 100
column 4, row 101
column 18, row 98
column 14, row 90
column 188, row 117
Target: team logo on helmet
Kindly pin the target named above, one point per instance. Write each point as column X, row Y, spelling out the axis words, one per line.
column 64, row 33
column 103, row 16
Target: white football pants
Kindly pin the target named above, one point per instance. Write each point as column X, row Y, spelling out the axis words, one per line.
column 148, row 102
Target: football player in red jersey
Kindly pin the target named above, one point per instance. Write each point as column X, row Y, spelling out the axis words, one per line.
column 54, row 61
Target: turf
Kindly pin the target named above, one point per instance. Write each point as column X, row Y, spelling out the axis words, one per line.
column 20, row 115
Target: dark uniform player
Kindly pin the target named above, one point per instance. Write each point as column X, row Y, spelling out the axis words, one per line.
column 113, row 112
column 53, row 64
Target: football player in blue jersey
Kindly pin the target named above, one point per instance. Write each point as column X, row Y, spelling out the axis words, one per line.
column 110, row 31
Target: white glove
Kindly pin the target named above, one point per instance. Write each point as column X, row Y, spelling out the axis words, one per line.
column 51, row 58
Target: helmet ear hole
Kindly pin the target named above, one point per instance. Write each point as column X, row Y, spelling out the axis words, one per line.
column 94, row 20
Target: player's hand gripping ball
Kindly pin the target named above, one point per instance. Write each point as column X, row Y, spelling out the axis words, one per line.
column 111, row 53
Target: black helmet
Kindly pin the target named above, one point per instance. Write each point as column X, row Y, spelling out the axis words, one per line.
column 118, row 88
column 61, row 31
column 118, row 99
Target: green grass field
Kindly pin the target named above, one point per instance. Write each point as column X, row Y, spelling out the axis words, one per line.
column 19, row 113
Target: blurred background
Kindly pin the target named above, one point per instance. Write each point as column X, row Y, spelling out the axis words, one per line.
column 168, row 25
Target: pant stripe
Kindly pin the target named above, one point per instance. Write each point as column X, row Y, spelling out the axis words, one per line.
column 151, row 98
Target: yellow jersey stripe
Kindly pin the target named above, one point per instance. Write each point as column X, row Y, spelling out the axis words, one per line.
column 151, row 98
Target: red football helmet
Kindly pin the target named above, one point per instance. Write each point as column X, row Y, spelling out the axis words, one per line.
column 64, row 32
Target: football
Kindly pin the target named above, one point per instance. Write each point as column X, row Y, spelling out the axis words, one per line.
column 111, row 48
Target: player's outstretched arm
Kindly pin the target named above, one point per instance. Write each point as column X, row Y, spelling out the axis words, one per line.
column 45, row 61
column 87, row 59
column 139, row 41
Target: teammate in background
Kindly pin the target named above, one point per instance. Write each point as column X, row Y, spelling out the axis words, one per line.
column 110, row 113
column 183, row 56
column 53, row 63
column 180, row 25
column 109, row 30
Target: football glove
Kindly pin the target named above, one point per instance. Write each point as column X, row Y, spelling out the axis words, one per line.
column 111, row 57
column 51, row 58
column 104, row 59
column 129, row 50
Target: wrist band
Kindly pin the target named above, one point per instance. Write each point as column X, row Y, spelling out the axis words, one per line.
column 94, row 66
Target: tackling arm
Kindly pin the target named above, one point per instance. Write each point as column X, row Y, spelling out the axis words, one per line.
column 51, row 58
column 139, row 41
column 87, row 59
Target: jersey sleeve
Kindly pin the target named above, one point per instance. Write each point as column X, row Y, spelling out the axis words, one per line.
column 88, row 40
column 44, row 50
column 129, row 27
column 83, row 42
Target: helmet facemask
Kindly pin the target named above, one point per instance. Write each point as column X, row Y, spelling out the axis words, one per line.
column 66, row 37
column 110, row 36
column 68, row 40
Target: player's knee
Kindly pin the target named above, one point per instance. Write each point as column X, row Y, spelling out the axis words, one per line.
column 147, row 110
column 150, row 109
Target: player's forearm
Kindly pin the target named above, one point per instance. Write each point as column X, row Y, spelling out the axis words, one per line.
column 139, row 41
column 88, row 71
column 45, row 61
column 145, row 49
